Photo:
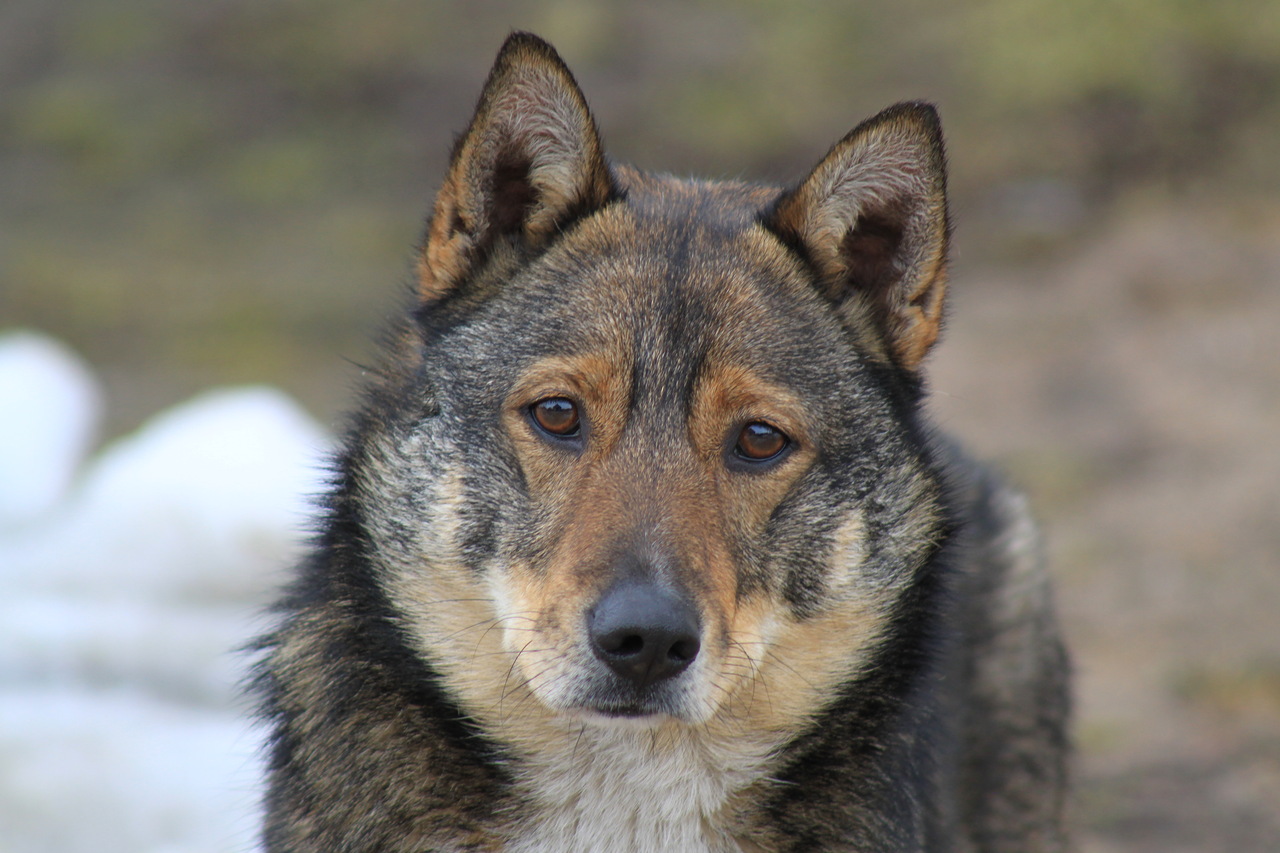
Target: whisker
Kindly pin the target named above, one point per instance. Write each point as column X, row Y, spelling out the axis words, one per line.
column 491, row 622
column 507, row 680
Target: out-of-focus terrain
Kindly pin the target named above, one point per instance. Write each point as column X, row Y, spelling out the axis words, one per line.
column 197, row 195
column 1134, row 388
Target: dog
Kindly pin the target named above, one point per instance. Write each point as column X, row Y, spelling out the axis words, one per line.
column 640, row 539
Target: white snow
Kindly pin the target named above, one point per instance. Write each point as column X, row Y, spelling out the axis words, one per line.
column 127, row 586
column 49, row 411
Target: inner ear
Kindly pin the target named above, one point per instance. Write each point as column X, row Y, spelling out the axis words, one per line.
column 513, row 193
column 872, row 249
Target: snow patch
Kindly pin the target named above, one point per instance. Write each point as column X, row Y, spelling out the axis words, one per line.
column 50, row 407
column 130, row 583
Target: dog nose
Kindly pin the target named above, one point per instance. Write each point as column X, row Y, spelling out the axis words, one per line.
column 645, row 633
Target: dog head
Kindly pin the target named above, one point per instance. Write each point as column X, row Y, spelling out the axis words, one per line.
column 648, row 448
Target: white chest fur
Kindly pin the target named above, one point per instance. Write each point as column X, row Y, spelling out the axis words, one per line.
column 635, row 790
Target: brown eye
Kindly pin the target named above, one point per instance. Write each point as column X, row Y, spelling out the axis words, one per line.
column 557, row 416
column 759, row 441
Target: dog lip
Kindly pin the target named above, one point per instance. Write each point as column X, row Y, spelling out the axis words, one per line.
column 625, row 711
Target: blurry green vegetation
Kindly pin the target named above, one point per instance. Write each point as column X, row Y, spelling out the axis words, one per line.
column 217, row 192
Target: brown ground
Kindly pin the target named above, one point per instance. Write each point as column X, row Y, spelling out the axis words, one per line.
column 1134, row 389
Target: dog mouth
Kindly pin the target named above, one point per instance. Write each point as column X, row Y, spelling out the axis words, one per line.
column 624, row 712
column 626, row 716
column 599, row 697
column 642, row 709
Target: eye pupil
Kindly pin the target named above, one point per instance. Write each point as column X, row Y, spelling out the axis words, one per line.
column 556, row 415
column 759, row 441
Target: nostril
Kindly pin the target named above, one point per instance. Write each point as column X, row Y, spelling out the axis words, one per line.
column 631, row 644
column 683, row 651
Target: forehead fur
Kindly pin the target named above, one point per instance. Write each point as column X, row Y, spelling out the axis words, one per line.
column 674, row 264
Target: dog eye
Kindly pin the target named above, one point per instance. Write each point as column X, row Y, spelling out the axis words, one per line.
column 557, row 416
column 759, row 442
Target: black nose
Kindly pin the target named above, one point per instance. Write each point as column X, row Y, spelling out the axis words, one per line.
column 645, row 633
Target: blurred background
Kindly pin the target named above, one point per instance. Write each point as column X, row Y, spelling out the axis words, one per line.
column 227, row 193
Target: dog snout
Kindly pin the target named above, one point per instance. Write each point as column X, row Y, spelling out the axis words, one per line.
column 644, row 632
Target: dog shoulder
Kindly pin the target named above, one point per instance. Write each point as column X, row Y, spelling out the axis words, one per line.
column 1010, row 670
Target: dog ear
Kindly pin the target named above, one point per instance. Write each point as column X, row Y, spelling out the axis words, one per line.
column 529, row 162
column 872, row 219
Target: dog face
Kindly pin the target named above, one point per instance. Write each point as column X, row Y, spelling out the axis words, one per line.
column 656, row 466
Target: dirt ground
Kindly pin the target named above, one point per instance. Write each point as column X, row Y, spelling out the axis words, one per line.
column 1134, row 389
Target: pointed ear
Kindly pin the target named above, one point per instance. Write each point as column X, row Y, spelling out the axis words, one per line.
column 872, row 219
column 529, row 162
